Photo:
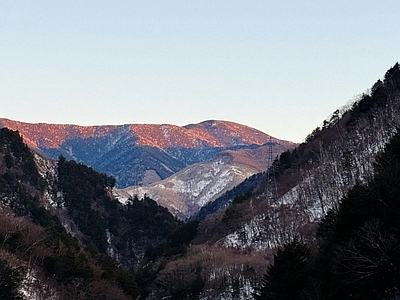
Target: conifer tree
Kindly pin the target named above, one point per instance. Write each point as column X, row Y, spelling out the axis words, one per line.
column 287, row 278
column 9, row 282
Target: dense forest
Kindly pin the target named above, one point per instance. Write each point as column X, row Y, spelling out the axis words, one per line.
column 38, row 257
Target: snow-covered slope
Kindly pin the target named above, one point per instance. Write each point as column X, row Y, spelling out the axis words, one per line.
column 185, row 192
column 341, row 156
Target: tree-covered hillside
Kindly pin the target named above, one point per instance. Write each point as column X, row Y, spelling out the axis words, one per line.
column 63, row 235
column 357, row 253
column 312, row 178
column 39, row 259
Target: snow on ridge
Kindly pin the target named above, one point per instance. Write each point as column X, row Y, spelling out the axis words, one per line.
column 186, row 191
column 47, row 169
column 32, row 288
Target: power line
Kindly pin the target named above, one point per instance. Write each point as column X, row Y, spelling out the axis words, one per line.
column 272, row 187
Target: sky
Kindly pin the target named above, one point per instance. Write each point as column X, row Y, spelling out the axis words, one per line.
column 279, row 66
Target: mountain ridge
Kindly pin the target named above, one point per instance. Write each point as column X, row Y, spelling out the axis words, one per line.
column 138, row 154
column 156, row 135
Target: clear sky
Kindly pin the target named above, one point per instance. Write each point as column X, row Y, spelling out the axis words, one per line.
column 279, row 66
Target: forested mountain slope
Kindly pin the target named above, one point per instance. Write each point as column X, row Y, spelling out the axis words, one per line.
column 313, row 177
column 39, row 259
column 63, row 235
column 356, row 251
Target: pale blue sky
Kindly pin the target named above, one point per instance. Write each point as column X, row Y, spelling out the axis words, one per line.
column 278, row 66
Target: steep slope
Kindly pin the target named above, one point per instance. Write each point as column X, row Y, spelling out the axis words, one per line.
column 39, row 259
column 316, row 175
column 139, row 154
column 355, row 254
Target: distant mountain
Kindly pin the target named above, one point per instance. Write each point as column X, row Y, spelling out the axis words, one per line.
column 140, row 154
column 187, row 191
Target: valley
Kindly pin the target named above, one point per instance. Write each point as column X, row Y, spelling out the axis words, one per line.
column 199, row 211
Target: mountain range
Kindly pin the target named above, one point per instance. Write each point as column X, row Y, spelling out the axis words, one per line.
column 140, row 154
column 182, row 168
